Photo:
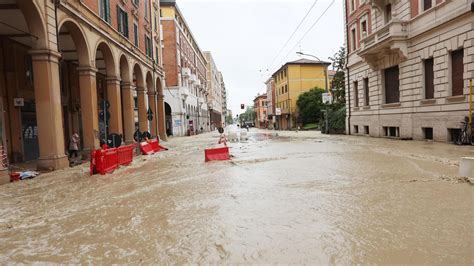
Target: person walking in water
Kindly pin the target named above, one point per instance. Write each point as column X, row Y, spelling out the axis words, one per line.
column 74, row 145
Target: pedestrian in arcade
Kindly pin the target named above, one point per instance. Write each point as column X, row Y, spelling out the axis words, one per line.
column 74, row 145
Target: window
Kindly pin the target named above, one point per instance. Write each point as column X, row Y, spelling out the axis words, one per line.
column 136, row 2
column 392, row 82
column 356, row 94
column 352, row 5
column 286, row 88
column 366, row 92
column 366, row 130
column 356, row 129
column 457, row 70
column 104, row 10
column 363, row 26
column 428, row 133
column 427, row 4
column 353, row 36
column 157, row 60
column 135, row 34
column 122, row 21
column 429, row 78
column 391, row 132
column 156, row 22
column 147, row 10
column 388, row 13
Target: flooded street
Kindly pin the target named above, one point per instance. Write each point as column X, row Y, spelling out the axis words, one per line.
column 296, row 198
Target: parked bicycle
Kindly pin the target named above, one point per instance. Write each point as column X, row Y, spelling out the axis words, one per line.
column 465, row 137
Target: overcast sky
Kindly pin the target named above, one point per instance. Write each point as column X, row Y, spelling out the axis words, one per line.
column 245, row 37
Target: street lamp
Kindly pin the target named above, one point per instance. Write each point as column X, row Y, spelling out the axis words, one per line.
column 325, row 68
column 300, row 53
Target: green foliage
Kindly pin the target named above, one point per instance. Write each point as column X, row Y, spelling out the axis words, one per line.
column 229, row 120
column 311, row 126
column 309, row 105
column 248, row 116
column 337, row 118
column 338, row 82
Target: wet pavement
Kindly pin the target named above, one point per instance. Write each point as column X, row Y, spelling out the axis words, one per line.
column 293, row 198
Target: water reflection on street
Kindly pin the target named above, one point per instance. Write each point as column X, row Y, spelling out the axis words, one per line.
column 298, row 197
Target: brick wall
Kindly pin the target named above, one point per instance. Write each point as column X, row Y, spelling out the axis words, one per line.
column 169, row 53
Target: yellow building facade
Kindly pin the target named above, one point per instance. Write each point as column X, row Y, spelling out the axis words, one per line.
column 291, row 80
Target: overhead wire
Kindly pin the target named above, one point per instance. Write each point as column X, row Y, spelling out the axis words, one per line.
column 293, row 34
column 310, row 28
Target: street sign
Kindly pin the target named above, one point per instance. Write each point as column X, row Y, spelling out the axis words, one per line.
column 149, row 114
column 327, row 98
column 277, row 111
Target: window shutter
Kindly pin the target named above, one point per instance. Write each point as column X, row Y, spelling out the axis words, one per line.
column 125, row 24
column 119, row 24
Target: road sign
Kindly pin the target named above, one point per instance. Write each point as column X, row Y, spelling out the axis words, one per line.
column 277, row 111
column 327, row 98
column 149, row 114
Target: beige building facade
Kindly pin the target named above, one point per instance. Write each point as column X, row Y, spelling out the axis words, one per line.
column 408, row 67
column 214, row 83
column 61, row 60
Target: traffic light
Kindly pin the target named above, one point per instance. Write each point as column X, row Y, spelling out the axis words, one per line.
column 242, row 106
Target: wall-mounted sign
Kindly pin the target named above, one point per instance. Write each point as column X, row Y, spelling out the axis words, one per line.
column 18, row 102
column 277, row 111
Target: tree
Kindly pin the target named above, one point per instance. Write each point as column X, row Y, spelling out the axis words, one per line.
column 248, row 116
column 338, row 87
column 309, row 105
column 229, row 120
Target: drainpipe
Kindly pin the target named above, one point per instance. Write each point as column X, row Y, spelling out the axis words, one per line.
column 348, row 75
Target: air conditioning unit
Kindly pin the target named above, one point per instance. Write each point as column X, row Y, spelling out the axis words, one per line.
column 193, row 78
column 186, row 72
column 198, row 83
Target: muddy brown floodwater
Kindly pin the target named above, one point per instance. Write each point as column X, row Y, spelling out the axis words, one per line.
column 296, row 198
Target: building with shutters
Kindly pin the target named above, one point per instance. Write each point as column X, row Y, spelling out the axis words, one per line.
column 260, row 109
column 290, row 81
column 59, row 61
column 215, row 85
column 408, row 67
column 186, row 81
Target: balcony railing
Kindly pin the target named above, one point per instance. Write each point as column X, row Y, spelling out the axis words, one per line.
column 391, row 38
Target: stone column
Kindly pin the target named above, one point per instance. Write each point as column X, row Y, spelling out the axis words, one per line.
column 48, row 110
column 142, row 109
column 89, row 108
column 152, row 104
column 114, row 98
column 128, row 105
column 161, row 115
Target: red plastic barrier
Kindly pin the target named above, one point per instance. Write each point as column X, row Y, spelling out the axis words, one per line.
column 217, row 154
column 125, row 154
column 109, row 160
column 146, row 148
column 155, row 145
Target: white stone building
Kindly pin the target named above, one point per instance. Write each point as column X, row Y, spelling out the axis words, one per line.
column 408, row 67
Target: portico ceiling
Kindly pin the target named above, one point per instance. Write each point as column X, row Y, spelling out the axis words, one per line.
column 13, row 24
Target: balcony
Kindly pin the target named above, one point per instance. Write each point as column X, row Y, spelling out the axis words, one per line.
column 390, row 40
column 186, row 72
